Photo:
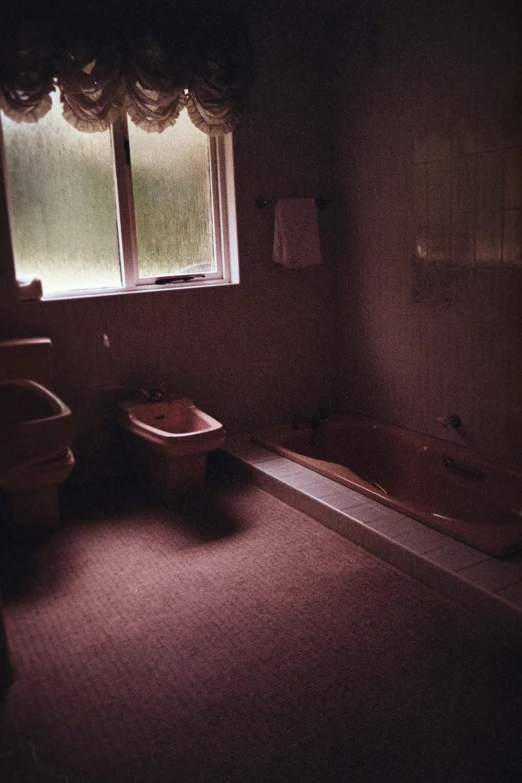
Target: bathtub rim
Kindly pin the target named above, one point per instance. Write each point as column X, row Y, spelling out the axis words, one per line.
column 490, row 539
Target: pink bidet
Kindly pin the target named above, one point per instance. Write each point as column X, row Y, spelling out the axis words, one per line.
column 170, row 440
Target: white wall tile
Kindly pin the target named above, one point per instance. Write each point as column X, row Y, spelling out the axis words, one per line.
column 493, row 574
column 455, row 556
column 422, row 540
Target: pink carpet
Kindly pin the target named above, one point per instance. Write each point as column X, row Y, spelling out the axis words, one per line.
column 235, row 639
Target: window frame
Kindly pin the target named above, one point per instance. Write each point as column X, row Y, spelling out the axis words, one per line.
column 224, row 227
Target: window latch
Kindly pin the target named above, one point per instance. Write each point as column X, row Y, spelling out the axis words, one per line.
column 178, row 279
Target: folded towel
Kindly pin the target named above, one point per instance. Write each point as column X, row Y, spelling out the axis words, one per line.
column 296, row 233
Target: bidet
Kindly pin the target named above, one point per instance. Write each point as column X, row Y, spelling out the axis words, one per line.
column 170, row 440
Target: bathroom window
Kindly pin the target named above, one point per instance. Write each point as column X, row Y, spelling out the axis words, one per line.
column 120, row 210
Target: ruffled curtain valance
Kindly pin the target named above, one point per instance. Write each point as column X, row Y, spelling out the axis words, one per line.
column 151, row 60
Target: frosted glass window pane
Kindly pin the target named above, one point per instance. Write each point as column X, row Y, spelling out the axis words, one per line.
column 172, row 199
column 62, row 203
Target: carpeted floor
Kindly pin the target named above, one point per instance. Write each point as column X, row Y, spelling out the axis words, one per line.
column 235, row 639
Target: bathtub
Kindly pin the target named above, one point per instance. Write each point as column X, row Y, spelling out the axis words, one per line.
column 460, row 492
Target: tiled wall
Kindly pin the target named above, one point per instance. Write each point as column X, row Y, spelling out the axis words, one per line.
column 467, row 185
column 425, row 145
column 428, row 147
column 250, row 354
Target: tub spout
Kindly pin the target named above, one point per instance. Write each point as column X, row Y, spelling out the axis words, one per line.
column 453, row 420
column 300, row 422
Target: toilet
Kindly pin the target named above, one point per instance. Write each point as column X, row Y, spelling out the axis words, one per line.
column 169, row 440
column 36, row 433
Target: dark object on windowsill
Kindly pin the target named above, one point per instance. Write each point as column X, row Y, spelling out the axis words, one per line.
column 178, row 279
column 261, row 202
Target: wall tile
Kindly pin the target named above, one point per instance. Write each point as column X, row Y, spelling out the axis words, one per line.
column 455, row 556
column 423, row 540
column 369, row 512
column 512, row 242
column 439, row 187
column 286, row 322
column 420, row 189
column 420, row 147
column 439, row 238
column 489, row 129
column 488, row 249
column 394, row 524
column 443, row 352
column 421, row 239
column 513, row 178
column 463, row 184
column 463, row 239
column 512, row 122
column 493, row 574
column 439, row 145
column 464, row 128
column 490, row 180
column 512, row 594
column 250, row 353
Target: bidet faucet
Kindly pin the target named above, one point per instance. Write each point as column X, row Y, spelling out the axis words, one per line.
column 155, row 393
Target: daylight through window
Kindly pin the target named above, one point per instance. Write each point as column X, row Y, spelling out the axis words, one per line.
column 94, row 212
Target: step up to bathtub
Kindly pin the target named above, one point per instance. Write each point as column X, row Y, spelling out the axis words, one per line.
column 454, row 569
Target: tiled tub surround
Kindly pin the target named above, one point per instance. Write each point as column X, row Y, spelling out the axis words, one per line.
column 428, row 198
column 448, row 487
column 465, row 574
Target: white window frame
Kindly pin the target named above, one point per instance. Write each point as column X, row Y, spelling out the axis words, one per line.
column 223, row 205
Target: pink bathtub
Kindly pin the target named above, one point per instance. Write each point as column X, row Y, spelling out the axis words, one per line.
column 461, row 492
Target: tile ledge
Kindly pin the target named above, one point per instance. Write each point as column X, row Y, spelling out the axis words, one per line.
column 451, row 584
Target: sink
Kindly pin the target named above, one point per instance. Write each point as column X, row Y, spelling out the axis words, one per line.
column 35, row 426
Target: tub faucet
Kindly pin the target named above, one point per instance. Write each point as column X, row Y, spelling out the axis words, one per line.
column 453, row 420
column 300, row 422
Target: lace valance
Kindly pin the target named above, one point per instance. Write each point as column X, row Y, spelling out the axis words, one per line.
column 150, row 60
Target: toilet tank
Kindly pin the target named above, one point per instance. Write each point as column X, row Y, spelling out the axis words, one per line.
column 27, row 357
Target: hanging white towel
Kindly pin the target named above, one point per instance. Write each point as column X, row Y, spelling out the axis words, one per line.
column 296, row 233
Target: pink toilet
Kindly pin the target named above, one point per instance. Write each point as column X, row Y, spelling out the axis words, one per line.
column 36, row 432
